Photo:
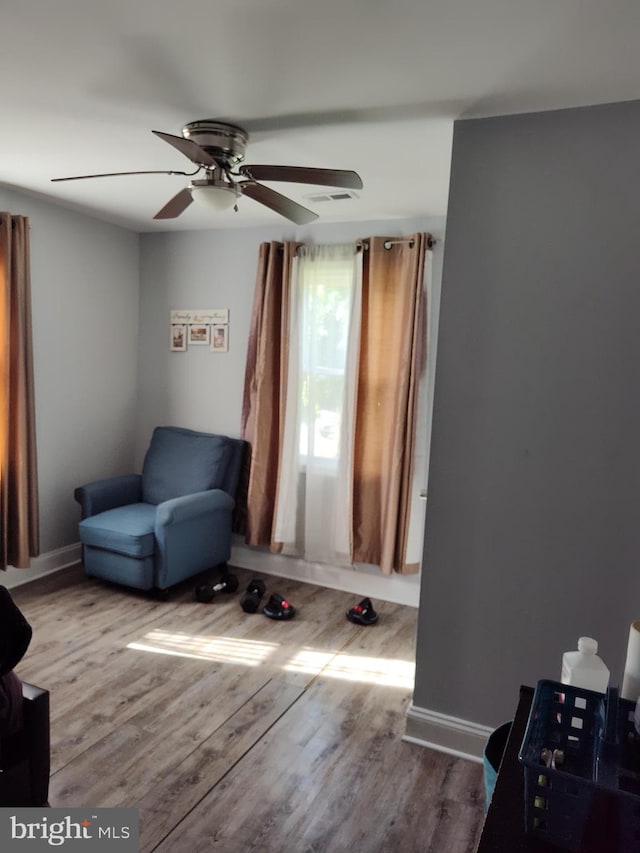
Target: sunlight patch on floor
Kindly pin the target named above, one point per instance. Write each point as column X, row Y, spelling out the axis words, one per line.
column 387, row 672
column 309, row 661
column 222, row 649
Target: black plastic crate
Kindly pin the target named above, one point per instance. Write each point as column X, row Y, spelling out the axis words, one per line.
column 581, row 758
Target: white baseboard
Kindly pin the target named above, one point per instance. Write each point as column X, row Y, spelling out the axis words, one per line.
column 399, row 589
column 452, row 735
column 43, row 565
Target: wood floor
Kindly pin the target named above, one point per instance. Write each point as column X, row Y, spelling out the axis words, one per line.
column 236, row 733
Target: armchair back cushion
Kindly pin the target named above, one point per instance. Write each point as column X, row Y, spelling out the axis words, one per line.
column 181, row 462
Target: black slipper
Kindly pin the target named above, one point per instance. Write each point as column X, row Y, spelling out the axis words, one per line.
column 363, row 613
column 279, row 608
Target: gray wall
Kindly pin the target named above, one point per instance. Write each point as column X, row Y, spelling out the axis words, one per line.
column 104, row 375
column 84, row 282
column 203, row 390
column 533, row 523
column 216, row 269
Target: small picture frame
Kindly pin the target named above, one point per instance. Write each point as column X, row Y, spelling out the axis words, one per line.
column 199, row 334
column 220, row 337
column 178, row 339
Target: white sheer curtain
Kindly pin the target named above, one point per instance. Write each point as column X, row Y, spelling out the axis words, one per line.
column 313, row 507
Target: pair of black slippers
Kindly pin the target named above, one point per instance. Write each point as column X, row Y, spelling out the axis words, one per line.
column 363, row 613
column 279, row 608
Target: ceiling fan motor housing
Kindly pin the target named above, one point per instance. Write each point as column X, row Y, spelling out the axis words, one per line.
column 225, row 142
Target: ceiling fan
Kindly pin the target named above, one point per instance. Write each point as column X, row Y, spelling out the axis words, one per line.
column 218, row 148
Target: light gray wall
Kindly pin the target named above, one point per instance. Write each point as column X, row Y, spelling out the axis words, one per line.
column 533, row 531
column 215, row 269
column 203, row 390
column 84, row 280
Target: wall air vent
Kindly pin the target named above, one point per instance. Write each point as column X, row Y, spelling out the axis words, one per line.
column 339, row 195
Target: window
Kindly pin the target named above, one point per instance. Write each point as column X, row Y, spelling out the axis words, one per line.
column 315, row 464
column 353, row 348
column 325, row 291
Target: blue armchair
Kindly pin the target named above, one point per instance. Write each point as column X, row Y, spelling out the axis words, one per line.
column 155, row 529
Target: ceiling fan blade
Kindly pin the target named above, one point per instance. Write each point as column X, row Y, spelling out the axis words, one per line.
column 280, row 203
column 175, row 206
column 302, row 175
column 116, row 174
column 187, row 147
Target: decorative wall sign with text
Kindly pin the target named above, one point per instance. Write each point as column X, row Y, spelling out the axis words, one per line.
column 199, row 327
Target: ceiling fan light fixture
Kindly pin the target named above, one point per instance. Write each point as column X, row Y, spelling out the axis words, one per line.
column 215, row 198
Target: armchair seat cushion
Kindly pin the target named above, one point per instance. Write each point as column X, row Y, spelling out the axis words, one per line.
column 126, row 530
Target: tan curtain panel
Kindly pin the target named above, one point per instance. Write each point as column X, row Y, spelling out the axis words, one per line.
column 265, row 385
column 391, row 358
column 19, row 532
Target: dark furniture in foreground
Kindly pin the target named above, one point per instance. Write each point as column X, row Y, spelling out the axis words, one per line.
column 24, row 717
column 504, row 828
column 25, row 755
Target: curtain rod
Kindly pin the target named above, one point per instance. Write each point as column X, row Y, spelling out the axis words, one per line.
column 363, row 245
column 431, row 241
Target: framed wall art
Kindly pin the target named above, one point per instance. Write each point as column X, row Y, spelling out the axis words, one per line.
column 178, row 339
column 220, row 337
column 199, row 327
column 199, row 334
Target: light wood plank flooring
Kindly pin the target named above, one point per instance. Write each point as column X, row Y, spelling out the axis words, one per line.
column 236, row 733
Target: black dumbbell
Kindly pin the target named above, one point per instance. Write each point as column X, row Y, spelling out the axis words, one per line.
column 206, row 592
column 250, row 601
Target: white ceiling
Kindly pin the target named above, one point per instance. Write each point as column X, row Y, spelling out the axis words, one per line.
column 369, row 85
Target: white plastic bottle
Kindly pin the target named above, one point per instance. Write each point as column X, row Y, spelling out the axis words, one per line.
column 584, row 668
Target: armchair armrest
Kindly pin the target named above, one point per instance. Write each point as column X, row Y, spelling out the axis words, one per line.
column 186, row 507
column 193, row 533
column 102, row 495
